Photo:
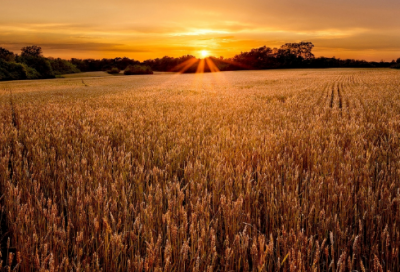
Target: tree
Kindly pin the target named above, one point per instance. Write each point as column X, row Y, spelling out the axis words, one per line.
column 302, row 49
column 11, row 70
column 61, row 66
column 32, row 51
column 138, row 70
column 41, row 65
column 32, row 57
column 6, row 54
column 398, row 60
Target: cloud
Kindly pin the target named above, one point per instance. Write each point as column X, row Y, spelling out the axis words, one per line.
column 111, row 47
column 145, row 29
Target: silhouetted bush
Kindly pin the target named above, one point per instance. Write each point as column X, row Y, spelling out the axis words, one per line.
column 396, row 66
column 61, row 66
column 138, row 70
column 12, row 71
column 114, row 70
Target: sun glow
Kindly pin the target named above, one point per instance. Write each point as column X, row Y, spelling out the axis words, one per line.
column 204, row 53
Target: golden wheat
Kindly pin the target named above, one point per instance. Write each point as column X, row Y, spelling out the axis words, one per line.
column 295, row 170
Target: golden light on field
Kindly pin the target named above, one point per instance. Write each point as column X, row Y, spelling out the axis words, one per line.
column 279, row 170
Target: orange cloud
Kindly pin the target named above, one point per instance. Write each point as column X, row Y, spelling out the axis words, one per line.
column 148, row 29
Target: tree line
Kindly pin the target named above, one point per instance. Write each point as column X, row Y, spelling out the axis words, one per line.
column 289, row 55
column 31, row 64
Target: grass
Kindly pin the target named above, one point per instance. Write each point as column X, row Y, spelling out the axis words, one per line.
column 290, row 170
column 87, row 74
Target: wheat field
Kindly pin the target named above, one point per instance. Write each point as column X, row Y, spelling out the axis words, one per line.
column 281, row 170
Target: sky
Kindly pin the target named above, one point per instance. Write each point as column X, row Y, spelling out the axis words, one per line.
column 360, row 29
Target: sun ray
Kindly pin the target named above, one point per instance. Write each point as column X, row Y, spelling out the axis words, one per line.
column 180, row 69
column 200, row 67
column 212, row 66
column 184, row 66
column 219, row 77
column 241, row 65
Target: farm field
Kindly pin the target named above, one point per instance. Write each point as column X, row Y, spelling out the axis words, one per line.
column 279, row 170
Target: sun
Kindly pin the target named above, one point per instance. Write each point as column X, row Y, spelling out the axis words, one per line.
column 204, row 53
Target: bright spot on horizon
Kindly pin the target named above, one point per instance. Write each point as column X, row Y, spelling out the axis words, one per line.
column 204, row 53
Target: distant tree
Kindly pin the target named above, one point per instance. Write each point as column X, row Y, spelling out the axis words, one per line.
column 305, row 50
column 86, row 65
column 61, row 66
column 80, row 64
column 122, row 63
column 32, row 51
column 258, row 58
column 169, row 64
column 32, row 57
column 113, row 70
column 138, row 70
column 6, row 54
column 397, row 64
column 302, row 49
column 12, row 70
column 41, row 65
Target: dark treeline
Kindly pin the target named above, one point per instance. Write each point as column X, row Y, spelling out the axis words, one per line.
column 290, row 55
column 89, row 65
column 299, row 55
column 190, row 64
column 31, row 64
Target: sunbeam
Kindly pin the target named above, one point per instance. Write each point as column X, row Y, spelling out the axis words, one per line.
column 211, row 65
column 200, row 67
column 184, row 66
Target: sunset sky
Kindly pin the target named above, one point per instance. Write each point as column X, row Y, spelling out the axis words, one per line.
column 362, row 29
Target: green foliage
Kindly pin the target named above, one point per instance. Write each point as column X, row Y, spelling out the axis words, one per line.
column 11, row 71
column 61, row 66
column 138, row 70
column 113, row 70
column 40, row 64
column 30, row 72
column 16, row 71
column 30, row 65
